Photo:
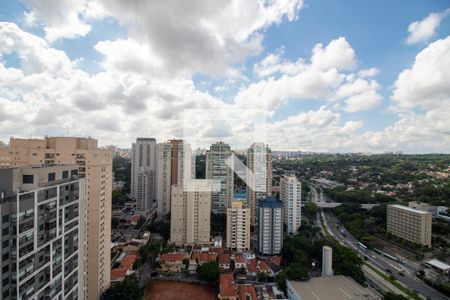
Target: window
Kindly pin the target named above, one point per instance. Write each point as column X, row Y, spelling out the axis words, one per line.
column 5, row 231
column 5, row 256
column 28, row 179
column 5, row 244
column 5, row 218
column 74, row 173
column 65, row 174
column 51, row 176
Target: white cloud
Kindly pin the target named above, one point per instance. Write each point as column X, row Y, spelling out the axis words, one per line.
column 323, row 79
column 421, row 31
column 426, row 83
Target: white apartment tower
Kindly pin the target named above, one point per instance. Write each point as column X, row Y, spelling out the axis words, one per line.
column 259, row 163
column 238, row 226
column 291, row 196
column 143, row 173
column 270, row 226
column 222, row 176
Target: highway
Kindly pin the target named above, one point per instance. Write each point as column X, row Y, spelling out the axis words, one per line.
column 384, row 264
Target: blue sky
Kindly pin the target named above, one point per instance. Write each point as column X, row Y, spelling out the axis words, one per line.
column 129, row 69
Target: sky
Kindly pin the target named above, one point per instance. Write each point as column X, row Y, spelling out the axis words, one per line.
column 323, row 75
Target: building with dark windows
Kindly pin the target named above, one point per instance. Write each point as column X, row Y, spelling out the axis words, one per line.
column 42, row 220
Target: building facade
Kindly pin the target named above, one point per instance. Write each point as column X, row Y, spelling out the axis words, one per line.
column 270, row 226
column 42, row 249
column 190, row 217
column 143, row 174
column 410, row 224
column 238, row 226
column 168, row 164
column 222, row 176
column 259, row 163
column 291, row 196
column 95, row 165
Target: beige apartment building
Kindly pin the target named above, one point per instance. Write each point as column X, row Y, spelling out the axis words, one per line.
column 238, row 226
column 410, row 224
column 95, row 165
column 259, row 163
column 190, row 217
column 167, row 170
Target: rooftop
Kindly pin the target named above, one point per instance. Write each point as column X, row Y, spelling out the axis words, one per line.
column 247, row 292
column 409, row 209
column 227, row 288
column 172, row 256
column 332, row 287
column 438, row 264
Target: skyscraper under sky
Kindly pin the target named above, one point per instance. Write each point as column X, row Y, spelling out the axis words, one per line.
column 143, row 174
column 221, row 174
column 291, row 196
column 259, row 163
column 42, row 232
column 96, row 166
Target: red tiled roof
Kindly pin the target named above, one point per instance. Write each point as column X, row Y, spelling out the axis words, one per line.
column 172, row 256
column 204, row 257
column 128, row 261
column 276, row 260
column 251, row 268
column 118, row 273
column 224, row 259
column 263, row 266
column 227, row 288
column 252, row 261
column 239, row 259
column 245, row 290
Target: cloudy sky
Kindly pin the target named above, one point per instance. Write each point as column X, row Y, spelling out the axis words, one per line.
column 325, row 75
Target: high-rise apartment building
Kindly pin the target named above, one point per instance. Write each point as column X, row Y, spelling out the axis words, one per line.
column 95, row 165
column 143, row 174
column 291, row 196
column 222, row 176
column 190, row 205
column 42, row 246
column 190, row 217
column 167, row 169
column 259, row 163
column 270, row 226
column 238, row 226
column 164, row 176
column 410, row 224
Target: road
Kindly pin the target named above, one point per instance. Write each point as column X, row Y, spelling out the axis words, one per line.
column 384, row 264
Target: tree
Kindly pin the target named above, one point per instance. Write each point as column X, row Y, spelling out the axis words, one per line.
column 297, row 272
column 347, row 262
column 280, row 279
column 209, row 271
column 392, row 296
column 128, row 289
column 310, row 209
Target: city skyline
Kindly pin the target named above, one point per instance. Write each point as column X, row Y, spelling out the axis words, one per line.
column 346, row 83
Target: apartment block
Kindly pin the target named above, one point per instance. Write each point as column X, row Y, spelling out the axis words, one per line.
column 259, row 163
column 42, row 226
column 238, row 226
column 410, row 224
column 291, row 196
column 168, row 165
column 270, row 226
column 95, row 165
column 143, row 174
column 190, row 219
column 221, row 175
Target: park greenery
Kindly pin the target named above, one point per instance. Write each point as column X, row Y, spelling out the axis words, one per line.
column 209, row 271
column 128, row 289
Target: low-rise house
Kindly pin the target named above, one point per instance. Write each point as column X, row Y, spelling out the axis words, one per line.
column 134, row 220
column 204, row 257
column 224, row 262
column 227, row 287
column 247, row 292
column 239, row 262
column 125, row 268
column 171, row 262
